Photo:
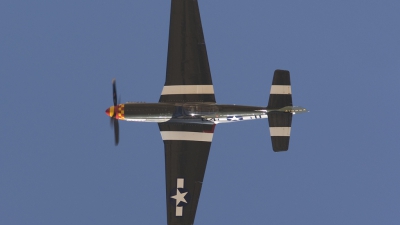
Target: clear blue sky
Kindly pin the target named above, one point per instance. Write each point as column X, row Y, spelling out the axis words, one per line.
column 58, row 163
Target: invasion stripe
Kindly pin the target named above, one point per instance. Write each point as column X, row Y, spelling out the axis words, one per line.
column 281, row 89
column 187, row 89
column 186, row 136
column 279, row 131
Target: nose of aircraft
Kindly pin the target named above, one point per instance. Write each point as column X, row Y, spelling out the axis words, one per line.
column 110, row 111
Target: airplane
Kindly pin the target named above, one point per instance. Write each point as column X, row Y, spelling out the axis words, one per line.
column 187, row 112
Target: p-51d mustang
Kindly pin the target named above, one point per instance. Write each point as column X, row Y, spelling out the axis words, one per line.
column 187, row 112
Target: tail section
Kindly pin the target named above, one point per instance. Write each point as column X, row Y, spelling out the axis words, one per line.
column 280, row 121
column 281, row 91
column 280, row 124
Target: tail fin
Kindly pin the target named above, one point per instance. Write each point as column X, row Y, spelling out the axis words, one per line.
column 280, row 122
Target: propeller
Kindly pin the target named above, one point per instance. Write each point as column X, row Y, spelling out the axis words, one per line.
column 113, row 120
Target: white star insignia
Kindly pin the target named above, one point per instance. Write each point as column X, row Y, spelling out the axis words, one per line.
column 179, row 197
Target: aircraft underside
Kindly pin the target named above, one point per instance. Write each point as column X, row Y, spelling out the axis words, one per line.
column 187, row 112
column 199, row 113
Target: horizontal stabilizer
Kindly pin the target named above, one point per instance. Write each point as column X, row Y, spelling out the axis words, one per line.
column 280, row 124
column 281, row 90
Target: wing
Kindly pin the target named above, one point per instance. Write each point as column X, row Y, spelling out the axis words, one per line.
column 186, row 152
column 188, row 76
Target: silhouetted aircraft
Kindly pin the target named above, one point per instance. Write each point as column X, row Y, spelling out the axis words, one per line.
column 187, row 112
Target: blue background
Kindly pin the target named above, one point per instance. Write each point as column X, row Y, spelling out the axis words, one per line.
column 58, row 163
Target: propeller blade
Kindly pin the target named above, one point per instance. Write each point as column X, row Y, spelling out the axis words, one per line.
column 113, row 120
column 116, row 131
column 114, row 92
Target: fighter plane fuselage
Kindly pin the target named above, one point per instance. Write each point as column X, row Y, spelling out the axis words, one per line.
column 187, row 112
column 203, row 113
